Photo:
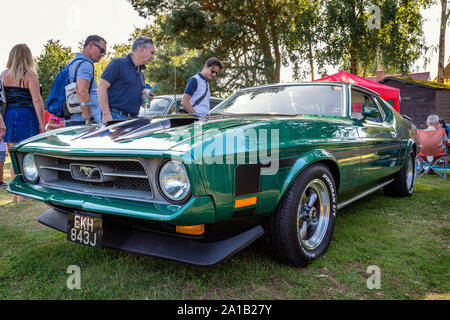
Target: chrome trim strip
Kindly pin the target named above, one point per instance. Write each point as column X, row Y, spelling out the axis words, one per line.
column 362, row 195
column 127, row 175
column 56, row 168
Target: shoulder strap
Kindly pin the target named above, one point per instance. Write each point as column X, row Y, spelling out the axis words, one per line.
column 22, row 80
column 203, row 96
column 76, row 72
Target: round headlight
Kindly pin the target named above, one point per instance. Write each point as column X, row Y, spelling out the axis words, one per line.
column 174, row 181
column 30, row 171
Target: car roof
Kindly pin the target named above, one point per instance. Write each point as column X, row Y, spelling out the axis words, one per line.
column 315, row 83
column 179, row 96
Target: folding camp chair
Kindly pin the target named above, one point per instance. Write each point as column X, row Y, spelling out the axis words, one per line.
column 432, row 145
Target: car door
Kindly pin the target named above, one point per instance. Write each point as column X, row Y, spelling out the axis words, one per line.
column 379, row 144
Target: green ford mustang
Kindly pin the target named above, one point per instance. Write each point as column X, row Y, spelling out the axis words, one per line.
column 276, row 161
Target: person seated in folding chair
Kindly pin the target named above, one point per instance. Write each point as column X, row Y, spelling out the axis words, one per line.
column 433, row 143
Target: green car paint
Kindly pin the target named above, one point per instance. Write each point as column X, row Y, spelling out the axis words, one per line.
column 360, row 155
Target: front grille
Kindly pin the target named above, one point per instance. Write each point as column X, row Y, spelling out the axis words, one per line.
column 120, row 183
column 122, row 178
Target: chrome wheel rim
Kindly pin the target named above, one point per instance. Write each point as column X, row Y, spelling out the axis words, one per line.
column 313, row 214
column 410, row 172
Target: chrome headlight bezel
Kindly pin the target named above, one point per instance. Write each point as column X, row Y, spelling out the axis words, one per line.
column 164, row 171
column 30, row 172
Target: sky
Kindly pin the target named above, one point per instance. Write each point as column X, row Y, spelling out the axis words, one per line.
column 35, row 21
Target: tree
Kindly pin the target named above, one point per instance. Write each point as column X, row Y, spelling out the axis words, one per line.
column 445, row 14
column 304, row 40
column 395, row 36
column 248, row 44
column 49, row 62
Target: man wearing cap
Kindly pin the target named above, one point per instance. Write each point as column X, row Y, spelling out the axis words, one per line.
column 122, row 82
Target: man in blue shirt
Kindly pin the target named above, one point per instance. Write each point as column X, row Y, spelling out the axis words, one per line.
column 196, row 95
column 122, row 82
column 94, row 49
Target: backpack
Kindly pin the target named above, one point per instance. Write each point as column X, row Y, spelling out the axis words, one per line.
column 56, row 101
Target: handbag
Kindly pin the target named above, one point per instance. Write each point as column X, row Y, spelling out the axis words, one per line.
column 3, row 103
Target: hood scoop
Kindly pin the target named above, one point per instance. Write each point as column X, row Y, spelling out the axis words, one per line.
column 135, row 128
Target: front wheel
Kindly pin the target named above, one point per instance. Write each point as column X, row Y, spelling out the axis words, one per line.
column 301, row 227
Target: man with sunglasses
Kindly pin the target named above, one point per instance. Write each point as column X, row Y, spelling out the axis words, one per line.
column 81, row 69
column 196, row 95
column 122, row 83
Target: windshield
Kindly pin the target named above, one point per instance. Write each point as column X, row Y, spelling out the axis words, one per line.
column 291, row 100
column 157, row 106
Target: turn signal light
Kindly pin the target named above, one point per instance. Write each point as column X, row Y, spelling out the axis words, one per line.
column 196, row 230
column 245, row 202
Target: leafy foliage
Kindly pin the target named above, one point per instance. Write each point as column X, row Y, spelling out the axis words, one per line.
column 351, row 43
column 254, row 38
column 56, row 55
column 248, row 44
column 49, row 62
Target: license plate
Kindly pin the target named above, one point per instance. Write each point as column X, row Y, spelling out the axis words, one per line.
column 85, row 229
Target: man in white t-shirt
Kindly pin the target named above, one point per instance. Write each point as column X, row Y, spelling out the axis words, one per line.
column 196, row 95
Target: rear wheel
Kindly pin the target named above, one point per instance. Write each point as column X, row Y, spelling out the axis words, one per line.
column 301, row 227
column 403, row 185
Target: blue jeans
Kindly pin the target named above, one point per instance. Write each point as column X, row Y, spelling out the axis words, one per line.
column 74, row 123
column 117, row 116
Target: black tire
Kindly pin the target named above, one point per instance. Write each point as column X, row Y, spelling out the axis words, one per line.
column 301, row 227
column 403, row 185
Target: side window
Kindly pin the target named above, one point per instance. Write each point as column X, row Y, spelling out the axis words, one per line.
column 173, row 108
column 214, row 102
column 381, row 111
column 386, row 108
column 359, row 100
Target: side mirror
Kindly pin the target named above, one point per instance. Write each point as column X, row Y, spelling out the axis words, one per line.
column 370, row 112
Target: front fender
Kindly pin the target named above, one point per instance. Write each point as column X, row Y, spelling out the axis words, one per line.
column 304, row 161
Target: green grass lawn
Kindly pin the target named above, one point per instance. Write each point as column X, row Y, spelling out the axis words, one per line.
column 407, row 238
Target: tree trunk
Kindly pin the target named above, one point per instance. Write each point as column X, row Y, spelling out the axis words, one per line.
column 444, row 18
column 311, row 60
column 353, row 60
column 266, row 51
column 274, row 36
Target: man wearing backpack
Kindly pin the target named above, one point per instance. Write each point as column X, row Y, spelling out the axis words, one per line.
column 196, row 95
column 81, row 69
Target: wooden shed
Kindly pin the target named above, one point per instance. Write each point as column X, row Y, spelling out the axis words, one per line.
column 422, row 98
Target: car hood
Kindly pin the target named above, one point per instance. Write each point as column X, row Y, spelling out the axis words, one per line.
column 158, row 133
column 164, row 133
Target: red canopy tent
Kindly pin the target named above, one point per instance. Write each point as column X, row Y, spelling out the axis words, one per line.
column 385, row 92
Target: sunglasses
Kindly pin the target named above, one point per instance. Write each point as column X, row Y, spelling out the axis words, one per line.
column 214, row 72
column 102, row 50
